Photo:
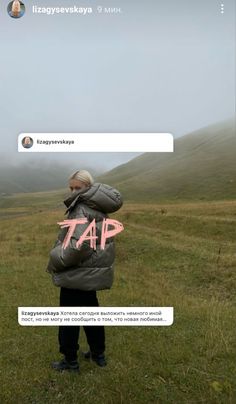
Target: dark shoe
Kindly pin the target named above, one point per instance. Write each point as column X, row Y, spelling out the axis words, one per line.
column 71, row 366
column 98, row 358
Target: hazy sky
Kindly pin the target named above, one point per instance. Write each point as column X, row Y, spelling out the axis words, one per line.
column 164, row 66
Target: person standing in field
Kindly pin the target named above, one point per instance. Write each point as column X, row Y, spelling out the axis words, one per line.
column 80, row 272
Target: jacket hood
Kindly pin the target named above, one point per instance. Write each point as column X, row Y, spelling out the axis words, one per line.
column 101, row 197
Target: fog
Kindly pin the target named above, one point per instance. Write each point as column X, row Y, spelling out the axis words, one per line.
column 156, row 67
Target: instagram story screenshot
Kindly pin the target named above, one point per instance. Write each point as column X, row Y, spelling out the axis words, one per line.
column 117, row 201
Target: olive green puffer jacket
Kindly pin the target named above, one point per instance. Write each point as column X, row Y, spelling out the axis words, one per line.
column 85, row 268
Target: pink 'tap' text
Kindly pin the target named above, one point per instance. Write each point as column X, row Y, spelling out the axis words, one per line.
column 110, row 228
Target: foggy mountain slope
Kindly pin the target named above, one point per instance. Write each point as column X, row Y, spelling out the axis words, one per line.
column 32, row 173
column 201, row 167
column 34, row 177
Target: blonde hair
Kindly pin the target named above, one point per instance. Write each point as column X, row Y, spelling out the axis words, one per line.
column 83, row 176
column 15, row 7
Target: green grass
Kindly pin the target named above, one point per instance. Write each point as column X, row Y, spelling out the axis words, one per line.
column 180, row 255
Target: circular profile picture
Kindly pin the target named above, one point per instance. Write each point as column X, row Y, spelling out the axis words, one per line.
column 27, row 142
column 16, row 9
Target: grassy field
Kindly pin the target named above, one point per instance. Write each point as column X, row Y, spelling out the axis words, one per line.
column 181, row 255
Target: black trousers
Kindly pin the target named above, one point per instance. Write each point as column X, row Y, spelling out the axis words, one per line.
column 68, row 336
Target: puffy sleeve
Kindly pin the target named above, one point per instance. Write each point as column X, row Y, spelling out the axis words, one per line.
column 62, row 258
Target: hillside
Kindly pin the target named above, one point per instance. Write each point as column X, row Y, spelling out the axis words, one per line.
column 34, row 176
column 201, row 167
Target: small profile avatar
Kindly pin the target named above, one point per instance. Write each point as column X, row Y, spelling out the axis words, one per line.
column 16, row 9
column 27, row 142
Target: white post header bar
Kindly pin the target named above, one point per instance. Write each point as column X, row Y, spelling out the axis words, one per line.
column 95, row 142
